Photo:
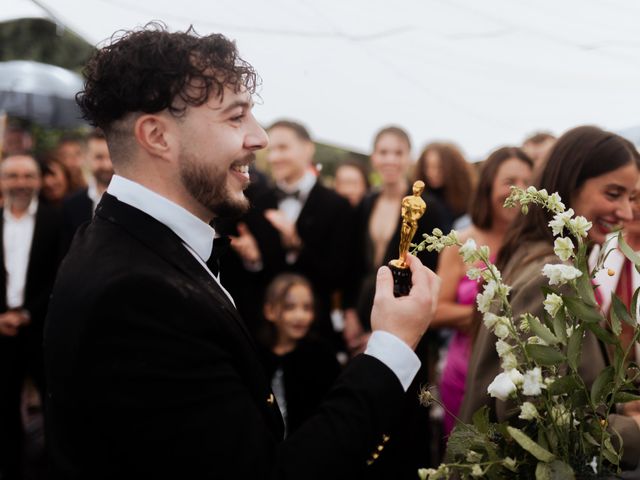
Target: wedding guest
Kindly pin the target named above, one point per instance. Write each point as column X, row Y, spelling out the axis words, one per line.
column 29, row 231
column 56, row 181
column 595, row 173
column 352, row 181
column 378, row 226
column 79, row 207
column 538, row 146
column 305, row 225
column 505, row 167
column 151, row 371
column 301, row 368
column 448, row 177
column 71, row 152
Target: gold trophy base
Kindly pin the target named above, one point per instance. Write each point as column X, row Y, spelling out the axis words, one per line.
column 401, row 278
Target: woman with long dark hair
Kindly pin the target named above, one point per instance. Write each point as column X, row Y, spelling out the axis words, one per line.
column 595, row 173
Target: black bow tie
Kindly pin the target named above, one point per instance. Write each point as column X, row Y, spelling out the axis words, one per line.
column 220, row 247
column 283, row 195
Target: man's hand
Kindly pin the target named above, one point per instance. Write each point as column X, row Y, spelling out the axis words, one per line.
column 11, row 321
column 245, row 245
column 286, row 227
column 406, row 317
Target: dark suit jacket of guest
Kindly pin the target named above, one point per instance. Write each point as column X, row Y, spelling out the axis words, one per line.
column 41, row 272
column 309, row 371
column 77, row 209
column 152, row 374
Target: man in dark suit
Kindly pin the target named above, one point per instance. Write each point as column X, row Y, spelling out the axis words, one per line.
column 29, row 232
column 80, row 206
column 151, row 371
column 306, row 227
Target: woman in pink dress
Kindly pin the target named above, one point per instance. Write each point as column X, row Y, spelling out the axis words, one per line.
column 505, row 167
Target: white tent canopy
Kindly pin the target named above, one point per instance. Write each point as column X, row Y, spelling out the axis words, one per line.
column 482, row 74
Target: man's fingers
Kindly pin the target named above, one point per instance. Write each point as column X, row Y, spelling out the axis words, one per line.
column 243, row 229
column 384, row 284
column 419, row 276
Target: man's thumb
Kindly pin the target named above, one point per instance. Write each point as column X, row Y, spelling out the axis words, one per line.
column 384, row 283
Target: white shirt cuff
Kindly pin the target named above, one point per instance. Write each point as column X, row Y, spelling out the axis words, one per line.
column 395, row 354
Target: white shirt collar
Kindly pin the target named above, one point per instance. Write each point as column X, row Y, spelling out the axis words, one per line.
column 92, row 191
column 31, row 211
column 195, row 233
column 304, row 185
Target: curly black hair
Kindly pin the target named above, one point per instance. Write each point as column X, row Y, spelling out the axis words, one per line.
column 146, row 70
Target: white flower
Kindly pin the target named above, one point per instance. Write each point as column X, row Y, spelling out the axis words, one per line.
column 563, row 248
column 502, row 348
column 532, row 190
column 554, row 203
column 560, row 221
column 473, row 456
column 510, row 463
column 580, row 226
column 484, row 252
column 490, row 320
column 501, row 387
column 516, row 377
column 560, row 274
column 528, row 411
column 532, row 384
column 569, row 331
column 477, row 471
column 474, row 273
column 543, row 194
column 491, row 273
column 425, row 473
column 594, row 464
column 469, row 251
column 509, row 361
column 485, row 298
column 502, row 330
column 553, row 304
column 536, row 340
column 560, row 415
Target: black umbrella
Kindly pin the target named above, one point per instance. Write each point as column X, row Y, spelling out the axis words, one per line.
column 44, row 94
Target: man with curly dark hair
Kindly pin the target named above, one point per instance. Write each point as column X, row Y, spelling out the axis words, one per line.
column 151, row 371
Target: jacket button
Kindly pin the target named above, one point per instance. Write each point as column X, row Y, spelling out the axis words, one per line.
column 271, row 399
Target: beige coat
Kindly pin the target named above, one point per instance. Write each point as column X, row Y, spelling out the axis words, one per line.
column 524, row 273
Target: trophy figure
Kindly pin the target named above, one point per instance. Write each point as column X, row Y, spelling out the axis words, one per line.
column 413, row 207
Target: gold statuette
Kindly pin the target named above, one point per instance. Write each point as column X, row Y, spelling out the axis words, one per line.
column 413, row 208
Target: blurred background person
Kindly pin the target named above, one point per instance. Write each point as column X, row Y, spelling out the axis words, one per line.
column 71, row 152
column 352, row 181
column 56, row 180
column 449, row 178
column 538, row 146
column 79, row 207
column 30, row 255
column 505, row 167
column 377, row 238
column 301, row 368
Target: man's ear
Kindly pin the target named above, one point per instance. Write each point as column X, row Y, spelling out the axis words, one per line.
column 153, row 134
column 269, row 312
column 310, row 150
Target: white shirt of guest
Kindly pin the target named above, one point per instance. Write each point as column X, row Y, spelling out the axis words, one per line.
column 17, row 237
column 291, row 206
column 92, row 193
column 196, row 235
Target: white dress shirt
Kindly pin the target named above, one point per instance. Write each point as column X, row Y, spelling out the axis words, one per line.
column 92, row 193
column 291, row 206
column 17, row 237
column 197, row 237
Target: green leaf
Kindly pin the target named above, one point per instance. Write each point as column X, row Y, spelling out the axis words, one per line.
column 574, row 347
column 530, row 446
column 610, row 453
column 583, row 283
column 590, row 440
column 556, row 470
column 545, row 355
column 619, row 310
column 634, row 303
column 616, row 324
column 582, row 311
column 564, row 385
column 480, row 419
column 560, row 326
column 542, row 331
column 602, row 384
column 604, row 335
column 624, row 397
column 628, row 251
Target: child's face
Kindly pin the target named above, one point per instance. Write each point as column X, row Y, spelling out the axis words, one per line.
column 295, row 315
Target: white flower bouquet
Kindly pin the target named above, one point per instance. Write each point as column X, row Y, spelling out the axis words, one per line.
column 559, row 427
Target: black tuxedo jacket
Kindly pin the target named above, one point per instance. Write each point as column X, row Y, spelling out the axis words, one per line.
column 76, row 210
column 152, row 374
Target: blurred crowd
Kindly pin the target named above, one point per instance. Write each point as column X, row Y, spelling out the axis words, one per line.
column 301, row 264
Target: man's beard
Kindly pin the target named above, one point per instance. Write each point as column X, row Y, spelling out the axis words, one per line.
column 208, row 186
column 103, row 177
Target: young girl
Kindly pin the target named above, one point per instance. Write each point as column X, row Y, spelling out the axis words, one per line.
column 301, row 369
